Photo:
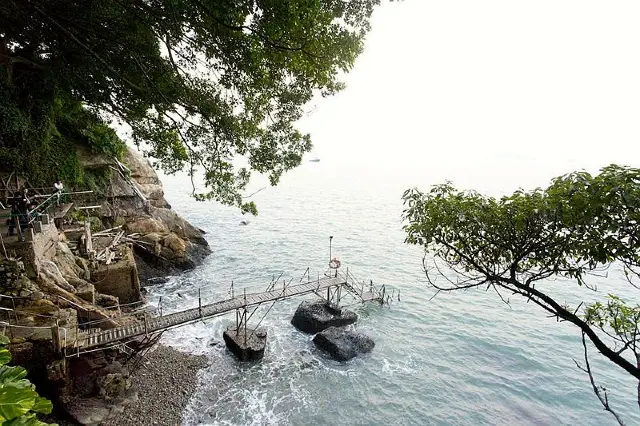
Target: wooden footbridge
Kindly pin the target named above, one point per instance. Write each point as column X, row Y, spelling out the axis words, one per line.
column 326, row 287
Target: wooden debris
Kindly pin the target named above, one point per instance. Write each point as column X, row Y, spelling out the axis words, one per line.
column 106, row 231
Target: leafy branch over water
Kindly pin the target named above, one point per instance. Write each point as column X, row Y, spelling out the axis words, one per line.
column 578, row 226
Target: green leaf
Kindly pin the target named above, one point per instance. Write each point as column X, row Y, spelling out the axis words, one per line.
column 4, row 340
column 42, row 405
column 5, row 356
column 15, row 402
column 27, row 420
column 11, row 374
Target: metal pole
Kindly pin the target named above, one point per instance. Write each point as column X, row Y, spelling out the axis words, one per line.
column 245, row 327
column 199, row 304
column 330, row 238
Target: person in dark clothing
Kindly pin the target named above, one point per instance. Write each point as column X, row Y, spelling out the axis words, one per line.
column 19, row 208
column 13, row 204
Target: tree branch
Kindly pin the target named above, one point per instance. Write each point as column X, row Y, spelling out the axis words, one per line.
column 600, row 392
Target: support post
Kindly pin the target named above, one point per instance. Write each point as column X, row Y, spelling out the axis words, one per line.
column 15, row 314
column 87, row 236
column 55, row 335
column 199, row 303
column 330, row 238
column 245, row 326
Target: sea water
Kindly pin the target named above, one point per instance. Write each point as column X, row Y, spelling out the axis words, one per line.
column 464, row 358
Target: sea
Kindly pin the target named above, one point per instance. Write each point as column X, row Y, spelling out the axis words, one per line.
column 463, row 358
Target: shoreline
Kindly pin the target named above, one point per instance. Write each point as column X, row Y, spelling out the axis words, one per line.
column 164, row 383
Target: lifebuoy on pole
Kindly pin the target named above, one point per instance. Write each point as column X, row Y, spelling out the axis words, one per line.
column 334, row 263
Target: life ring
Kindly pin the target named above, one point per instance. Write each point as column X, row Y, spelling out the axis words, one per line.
column 334, row 263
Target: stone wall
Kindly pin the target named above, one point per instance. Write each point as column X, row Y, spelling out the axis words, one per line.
column 38, row 247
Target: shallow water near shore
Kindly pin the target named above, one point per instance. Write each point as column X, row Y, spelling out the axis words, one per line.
column 459, row 359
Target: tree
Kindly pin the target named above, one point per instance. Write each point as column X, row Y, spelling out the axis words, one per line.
column 19, row 401
column 578, row 226
column 199, row 82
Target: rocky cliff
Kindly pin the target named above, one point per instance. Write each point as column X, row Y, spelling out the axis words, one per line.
column 63, row 289
column 135, row 199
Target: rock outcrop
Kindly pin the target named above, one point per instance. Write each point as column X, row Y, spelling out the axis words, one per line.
column 135, row 196
column 317, row 316
column 343, row 344
column 250, row 350
column 100, row 390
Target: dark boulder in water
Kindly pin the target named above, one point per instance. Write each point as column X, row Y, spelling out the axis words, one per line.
column 343, row 344
column 249, row 349
column 315, row 317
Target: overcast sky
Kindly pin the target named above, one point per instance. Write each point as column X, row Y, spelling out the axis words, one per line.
column 490, row 94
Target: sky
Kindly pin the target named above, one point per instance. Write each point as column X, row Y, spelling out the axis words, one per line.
column 492, row 95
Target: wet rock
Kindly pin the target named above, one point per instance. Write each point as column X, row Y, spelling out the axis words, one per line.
column 250, row 350
column 315, row 317
column 158, row 280
column 343, row 344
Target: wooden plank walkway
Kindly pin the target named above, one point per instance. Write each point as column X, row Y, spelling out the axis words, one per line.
column 62, row 210
column 88, row 341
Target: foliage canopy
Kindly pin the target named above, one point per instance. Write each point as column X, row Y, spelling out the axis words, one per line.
column 579, row 225
column 199, row 82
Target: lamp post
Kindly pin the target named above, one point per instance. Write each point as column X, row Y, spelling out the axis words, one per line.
column 330, row 238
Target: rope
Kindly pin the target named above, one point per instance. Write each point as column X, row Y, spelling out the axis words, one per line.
column 27, row 313
column 6, row 324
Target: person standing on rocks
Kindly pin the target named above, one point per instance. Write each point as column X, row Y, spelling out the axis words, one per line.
column 59, row 187
column 19, row 206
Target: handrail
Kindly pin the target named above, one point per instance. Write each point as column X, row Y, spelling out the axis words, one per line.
column 46, row 201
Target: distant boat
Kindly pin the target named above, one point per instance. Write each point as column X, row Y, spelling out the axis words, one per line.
column 315, row 160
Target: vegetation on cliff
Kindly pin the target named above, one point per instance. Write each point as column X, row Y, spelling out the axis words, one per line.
column 199, row 82
column 579, row 227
